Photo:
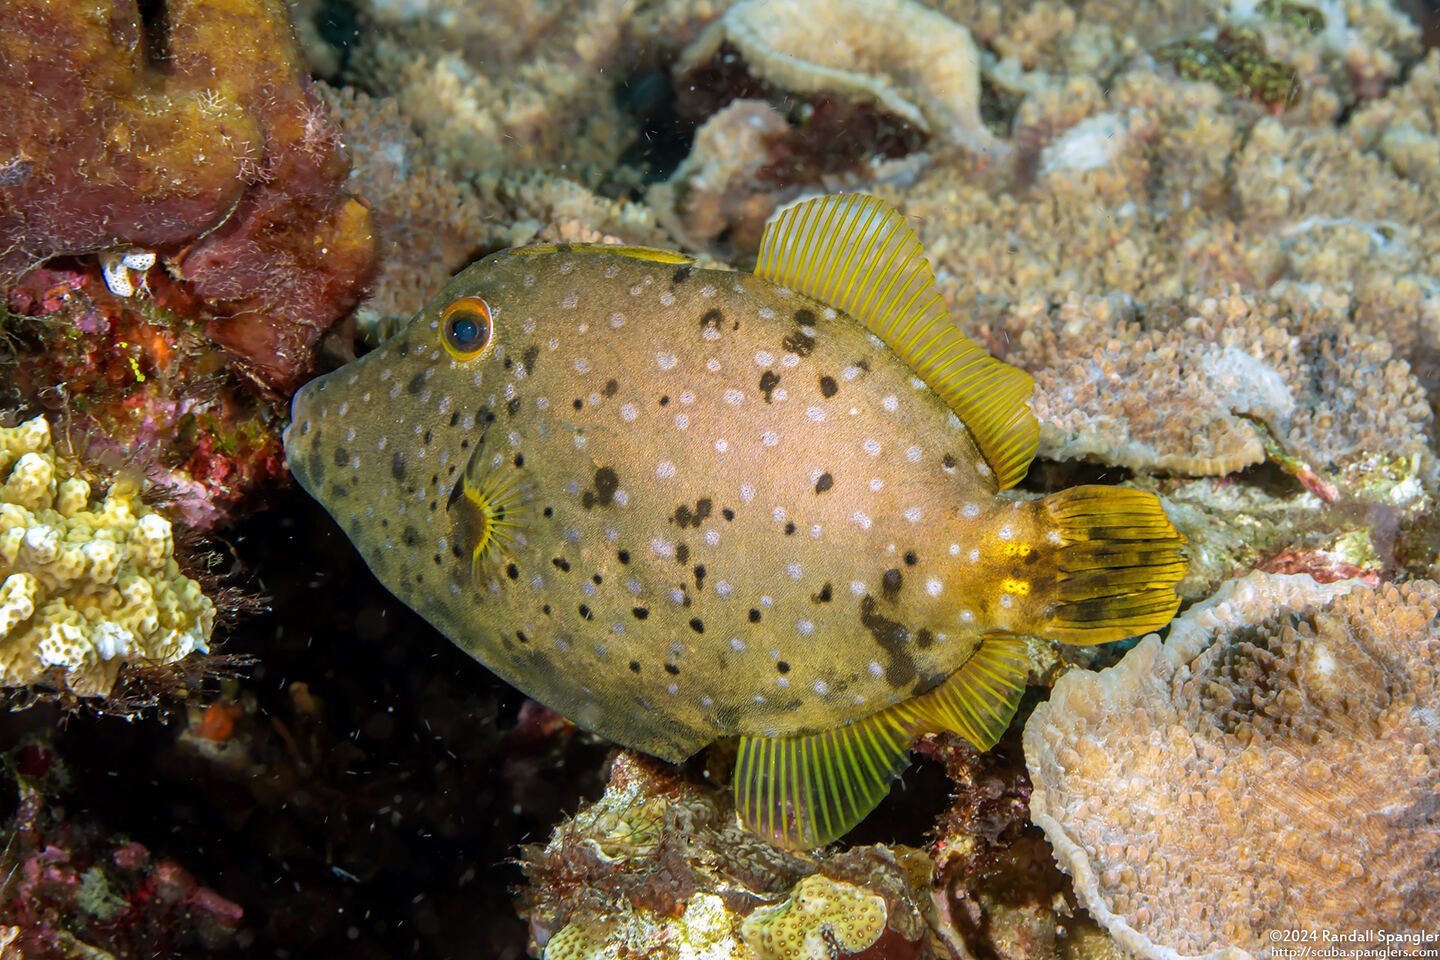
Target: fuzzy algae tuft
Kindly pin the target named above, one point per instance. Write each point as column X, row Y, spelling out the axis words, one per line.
column 87, row 584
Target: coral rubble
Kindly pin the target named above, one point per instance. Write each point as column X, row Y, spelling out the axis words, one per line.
column 222, row 162
column 1272, row 765
column 71, row 889
column 659, row 867
column 88, row 584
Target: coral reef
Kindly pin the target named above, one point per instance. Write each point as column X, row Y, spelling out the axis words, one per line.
column 915, row 63
column 90, row 583
column 221, row 162
column 135, row 384
column 1272, row 765
column 660, row 867
column 73, row 890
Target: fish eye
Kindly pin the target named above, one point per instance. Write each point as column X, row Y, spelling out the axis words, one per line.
column 465, row 328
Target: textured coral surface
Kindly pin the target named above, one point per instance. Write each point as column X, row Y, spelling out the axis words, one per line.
column 88, row 583
column 1273, row 765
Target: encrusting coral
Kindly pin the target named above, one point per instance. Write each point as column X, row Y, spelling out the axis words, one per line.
column 659, row 867
column 87, row 584
column 221, row 162
column 1272, row 765
column 915, row 63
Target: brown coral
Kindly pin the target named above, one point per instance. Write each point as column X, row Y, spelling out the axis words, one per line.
column 1272, row 765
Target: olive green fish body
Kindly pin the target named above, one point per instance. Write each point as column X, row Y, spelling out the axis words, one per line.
column 679, row 504
column 739, row 508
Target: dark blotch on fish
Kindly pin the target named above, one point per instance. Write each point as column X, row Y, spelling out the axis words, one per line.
column 685, row 517
column 799, row 343
column 890, row 583
column 711, row 318
column 825, row 482
column 682, row 274
column 397, row 466
column 828, row 387
column 341, row 457
column 607, row 481
column 416, row 384
column 529, row 357
column 805, row 317
column 892, row 638
column 769, row 380
column 612, row 386
column 512, row 406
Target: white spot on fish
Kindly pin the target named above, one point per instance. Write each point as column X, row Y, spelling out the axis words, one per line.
column 707, row 291
column 970, row 511
column 712, row 538
column 816, row 530
column 567, row 266
column 1006, row 600
column 633, row 586
column 806, row 627
column 380, row 444
column 861, row 520
column 552, row 343
column 712, row 365
column 621, row 498
column 821, row 687
column 913, row 454
column 793, row 569
column 672, row 689
column 876, row 483
column 542, row 403
column 891, row 403
column 588, row 588
column 1054, row 536
column 782, row 681
column 966, row 616
column 687, row 397
column 913, row 514
column 780, row 393
column 722, row 445
column 763, row 359
column 876, row 670
column 933, row 587
column 711, row 334
column 815, row 413
column 1005, row 532
column 665, row 361
column 767, row 314
column 681, row 421
column 850, row 373
column 723, row 589
column 628, row 412
column 582, row 365
column 954, row 549
column 778, row 515
column 666, row 298
column 789, row 360
column 770, row 438
column 747, row 493
column 617, row 320
column 665, row 470
column 611, row 272
column 974, row 556
column 579, row 441
column 570, row 302
column 734, row 397
column 529, row 280
column 872, row 447
column 677, row 595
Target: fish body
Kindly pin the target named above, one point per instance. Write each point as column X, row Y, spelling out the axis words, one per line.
column 679, row 504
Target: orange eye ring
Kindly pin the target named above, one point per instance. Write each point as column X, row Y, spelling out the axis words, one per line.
column 465, row 328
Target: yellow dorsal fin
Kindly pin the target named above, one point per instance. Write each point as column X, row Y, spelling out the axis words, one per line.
column 805, row 791
column 614, row 249
column 857, row 253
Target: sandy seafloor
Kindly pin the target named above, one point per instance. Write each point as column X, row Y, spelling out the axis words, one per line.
column 373, row 796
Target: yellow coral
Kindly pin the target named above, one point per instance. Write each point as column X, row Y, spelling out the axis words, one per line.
column 819, row 913
column 86, row 584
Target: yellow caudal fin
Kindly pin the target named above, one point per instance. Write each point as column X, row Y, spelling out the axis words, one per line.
column 858, row 254
column 1118, row 562
column 805, row 791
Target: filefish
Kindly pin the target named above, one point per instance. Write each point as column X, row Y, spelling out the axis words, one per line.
column 679, row 505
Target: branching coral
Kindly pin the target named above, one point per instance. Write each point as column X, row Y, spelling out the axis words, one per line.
column 222, row 161
column 1273, row 765
column 87, row 584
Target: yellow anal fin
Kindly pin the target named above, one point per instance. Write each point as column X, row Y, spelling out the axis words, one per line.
column 805, row 791
column 858, row 254
column 1120, row 560
column 614, row 249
